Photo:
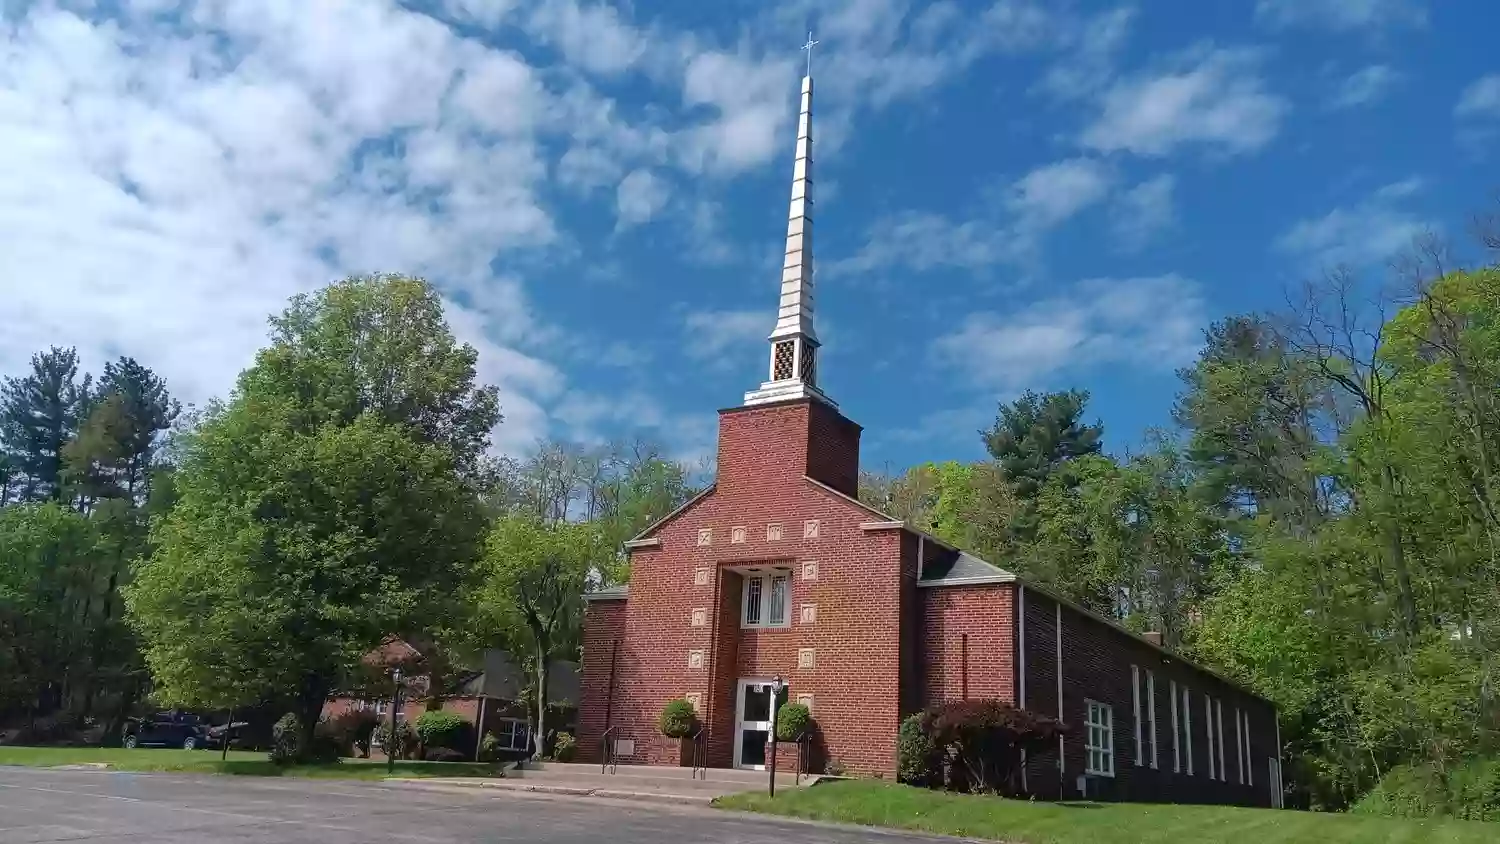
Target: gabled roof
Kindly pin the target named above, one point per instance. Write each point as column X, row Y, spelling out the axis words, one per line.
column 961, row 569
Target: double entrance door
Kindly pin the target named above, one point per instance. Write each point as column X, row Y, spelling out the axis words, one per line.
column 752, row 721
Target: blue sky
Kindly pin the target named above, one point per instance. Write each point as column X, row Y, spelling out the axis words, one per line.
column 1010, row 194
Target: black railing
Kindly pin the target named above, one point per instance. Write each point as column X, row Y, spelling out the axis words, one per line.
column 804, row 755
column 698, row 752
column 607, row 751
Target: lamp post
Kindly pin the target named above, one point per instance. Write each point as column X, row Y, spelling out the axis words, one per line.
column 776, row 686
column 390, row 736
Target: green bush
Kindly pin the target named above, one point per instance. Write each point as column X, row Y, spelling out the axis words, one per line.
column 350, row 730
column 565, row 748
column 444, row 729
column 1469, row 790
column 982, row 741
column 792, row 721
column 286, row 740
column 917, row 759
column 444, row 754
column 489, row 748
column 677, row 719
column 404, row 744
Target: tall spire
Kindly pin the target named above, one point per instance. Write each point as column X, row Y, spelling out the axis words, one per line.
column 794, row 342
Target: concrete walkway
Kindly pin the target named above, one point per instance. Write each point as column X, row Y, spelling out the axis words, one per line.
column 629, row 782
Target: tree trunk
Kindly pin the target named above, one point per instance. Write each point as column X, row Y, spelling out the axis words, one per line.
column 539, row 737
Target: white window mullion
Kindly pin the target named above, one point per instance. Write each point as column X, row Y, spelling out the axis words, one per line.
column 1135, row 694
column 1176, row 736
column 1219, row 741
column 1249, row 759
column 1239, row 747
column 1151, row 712
column 1208, row 726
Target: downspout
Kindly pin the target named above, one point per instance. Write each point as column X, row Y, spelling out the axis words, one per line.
column 1021, row 669
column 609, row 694
column 709, row 714
column 1061, row 768
column 963, row 668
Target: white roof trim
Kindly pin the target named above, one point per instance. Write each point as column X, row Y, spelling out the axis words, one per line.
column 967, row 581
column 651, row 542
column 893, row 525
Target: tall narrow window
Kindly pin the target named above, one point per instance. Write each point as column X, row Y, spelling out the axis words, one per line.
column 766, row 599
column 1099, row 742
column 1176, row 735
column 1249, row 758
column 1187, row 729
column 1151, row 712
column 1135, row 695
column 1239, row 748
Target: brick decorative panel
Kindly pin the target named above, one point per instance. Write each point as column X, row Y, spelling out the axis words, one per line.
column 810, row 529
column 809, row 613
column 705, row 536
column 700, row 617
column 773, row 533
column 695, row 660
column 810, row 570
column 807, row 701
column 737, row 535
column 807, row 658
column 702, row 577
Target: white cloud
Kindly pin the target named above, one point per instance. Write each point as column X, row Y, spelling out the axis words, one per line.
column 1480, row 99
column 717, row 335
column 1031, row 206
column 1368, row 231
column 1342, row 15
column 1143, row 212
column 159, row 197
column 754, row 106
column 1213, row 98
column 1366, row 86
column 1147, row 322
column 1086, row 68
column 1055, row 192
column 639, row 196
column 593, row 37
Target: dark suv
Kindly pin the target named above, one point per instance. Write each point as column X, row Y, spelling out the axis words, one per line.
column 165, row 730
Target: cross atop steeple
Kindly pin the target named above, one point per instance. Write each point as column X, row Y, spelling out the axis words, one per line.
column 794, row 342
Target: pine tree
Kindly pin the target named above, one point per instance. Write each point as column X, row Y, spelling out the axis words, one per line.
column 1032, row 438
column 40, row 413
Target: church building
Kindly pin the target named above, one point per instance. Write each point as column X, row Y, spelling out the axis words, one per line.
column 778, row 570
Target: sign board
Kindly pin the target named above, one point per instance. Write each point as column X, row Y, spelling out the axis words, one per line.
column 624, row 747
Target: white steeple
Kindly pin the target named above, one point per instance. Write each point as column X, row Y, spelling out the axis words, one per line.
column 794, row 342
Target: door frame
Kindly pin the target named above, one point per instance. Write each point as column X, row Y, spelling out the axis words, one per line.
column 740, row 725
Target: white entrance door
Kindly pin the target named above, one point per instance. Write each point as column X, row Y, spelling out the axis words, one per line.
column 752, row 722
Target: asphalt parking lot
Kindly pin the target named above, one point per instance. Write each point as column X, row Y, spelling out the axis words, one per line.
column 47, row 805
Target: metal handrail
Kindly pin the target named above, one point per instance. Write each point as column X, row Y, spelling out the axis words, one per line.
column 607, row 760
column 804, row 755
column 699, row 752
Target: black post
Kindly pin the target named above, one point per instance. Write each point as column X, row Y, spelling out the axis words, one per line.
column 390, row 738
column 775, row 698
column 228, row 735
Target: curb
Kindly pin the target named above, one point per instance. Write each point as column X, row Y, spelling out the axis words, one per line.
column 546, row 788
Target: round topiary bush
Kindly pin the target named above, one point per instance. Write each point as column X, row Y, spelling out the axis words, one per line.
column 286, row 740
column 792, row 720
column 677, row 719
column 917, row 759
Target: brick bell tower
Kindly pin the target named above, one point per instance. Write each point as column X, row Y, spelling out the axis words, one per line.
column 788, row 427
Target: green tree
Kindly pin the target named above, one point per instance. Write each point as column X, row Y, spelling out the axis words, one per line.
column 1032, row 439
column 532, row 579
column 39, row 414
column 330, row 502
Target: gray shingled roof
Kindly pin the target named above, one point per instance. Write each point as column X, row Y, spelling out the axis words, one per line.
column 620, row 591
column 959, row 566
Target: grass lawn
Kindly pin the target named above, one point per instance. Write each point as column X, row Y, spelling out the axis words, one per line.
column 239, row 763
column 885, row 804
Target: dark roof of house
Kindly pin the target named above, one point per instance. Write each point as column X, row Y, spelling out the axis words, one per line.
column 608, row 593
column 503, row 678
column 948, row 567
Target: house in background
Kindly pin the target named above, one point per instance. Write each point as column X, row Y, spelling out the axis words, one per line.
column 778, row 570
column 490, row 699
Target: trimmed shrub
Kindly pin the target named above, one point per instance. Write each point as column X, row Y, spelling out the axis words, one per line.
column 444, row 729
column 444, row 754
column 792, row 721
column 489, row 748
column 350, row 730
column 981, row 741
column 566, row 747
column 677, row 719
column 918, row 761
column 405, row 742
column 323, row 749
column 286, row 740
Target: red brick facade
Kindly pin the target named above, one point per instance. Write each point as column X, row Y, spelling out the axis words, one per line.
column 881, row 640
